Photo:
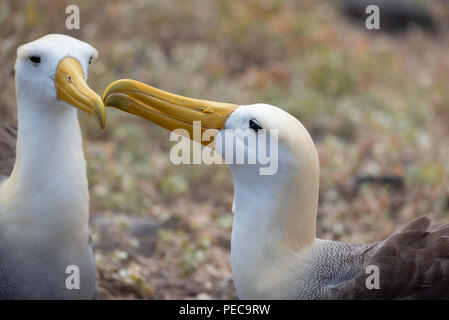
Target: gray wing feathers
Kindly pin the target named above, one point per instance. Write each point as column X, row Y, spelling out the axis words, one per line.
column 413, row 264
column 8, row 136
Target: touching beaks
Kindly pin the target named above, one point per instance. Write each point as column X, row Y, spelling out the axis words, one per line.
column 166, row 109
column 72, row 88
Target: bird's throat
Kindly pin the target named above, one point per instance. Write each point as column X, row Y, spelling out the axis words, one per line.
column 48, row 184
column 274, row 220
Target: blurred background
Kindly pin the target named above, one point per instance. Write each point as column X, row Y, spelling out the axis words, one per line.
column 376, row 104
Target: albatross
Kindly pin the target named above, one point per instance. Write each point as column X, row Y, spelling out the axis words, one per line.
column 45, row 250
column 274, row 250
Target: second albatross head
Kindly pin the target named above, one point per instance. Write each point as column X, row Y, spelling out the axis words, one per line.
column 54, row 68
column 274, row 214
column 296, row 174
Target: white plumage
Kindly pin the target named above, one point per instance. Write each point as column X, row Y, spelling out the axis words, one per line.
column 44, row 204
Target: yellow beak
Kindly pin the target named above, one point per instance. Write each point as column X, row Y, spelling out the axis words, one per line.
column 166, row 109
column 72, row 88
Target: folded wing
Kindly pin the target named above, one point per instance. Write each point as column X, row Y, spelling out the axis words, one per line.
column 413, row 264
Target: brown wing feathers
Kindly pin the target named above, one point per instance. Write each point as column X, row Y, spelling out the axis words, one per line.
column 413, row 264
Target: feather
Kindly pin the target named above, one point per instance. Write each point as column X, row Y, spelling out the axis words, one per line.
column 413, row 264
column 8, row 136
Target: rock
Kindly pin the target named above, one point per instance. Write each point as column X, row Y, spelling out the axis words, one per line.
column 395, row 15
column 118, row 230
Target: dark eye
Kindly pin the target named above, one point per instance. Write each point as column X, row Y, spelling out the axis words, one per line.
column 35, row 60
column 254, row 125
column 90, row 60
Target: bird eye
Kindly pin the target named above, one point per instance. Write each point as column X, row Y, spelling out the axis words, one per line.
column 254, row 125
column 35, row 60
column 90, row 60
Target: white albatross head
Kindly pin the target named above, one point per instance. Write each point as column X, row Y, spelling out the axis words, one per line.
column 54, row 69
column 274, row 215
column 287, row 200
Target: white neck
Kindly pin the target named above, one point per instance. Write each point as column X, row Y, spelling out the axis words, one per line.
column 47, row 192
column 274, row 224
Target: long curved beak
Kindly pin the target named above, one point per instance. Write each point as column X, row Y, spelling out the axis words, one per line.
column 166, row 109
column 72, row 88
